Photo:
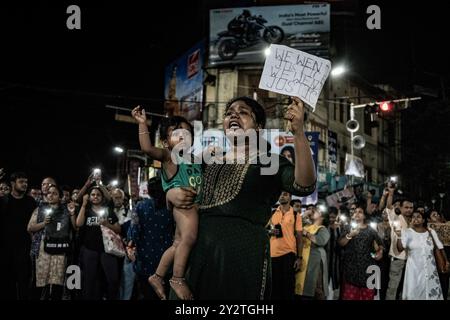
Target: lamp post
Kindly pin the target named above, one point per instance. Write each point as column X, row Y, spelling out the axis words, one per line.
column 119, row 151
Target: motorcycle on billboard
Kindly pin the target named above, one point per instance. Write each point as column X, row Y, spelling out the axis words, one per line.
column 244, row 31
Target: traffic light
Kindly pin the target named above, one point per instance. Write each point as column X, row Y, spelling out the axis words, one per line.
column 371, row 108
column 386, row 106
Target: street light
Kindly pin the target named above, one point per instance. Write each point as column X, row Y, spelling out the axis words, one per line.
column 114, row 183
column 120, row 154
column 118, row 149
column 338, row 70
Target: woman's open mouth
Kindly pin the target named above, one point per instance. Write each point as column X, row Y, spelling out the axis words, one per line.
column 234, row 125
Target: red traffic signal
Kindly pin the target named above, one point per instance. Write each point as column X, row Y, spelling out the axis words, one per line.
column 386, row 106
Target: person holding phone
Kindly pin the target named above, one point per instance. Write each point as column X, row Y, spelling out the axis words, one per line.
column 363, row 247
column 96, row 264
column 399, row 219
column 421, row 275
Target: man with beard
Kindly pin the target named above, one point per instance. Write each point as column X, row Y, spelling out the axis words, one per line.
column 285, row 246
column 15, row 212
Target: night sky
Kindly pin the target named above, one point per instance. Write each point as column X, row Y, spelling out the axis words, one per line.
column 55, row 83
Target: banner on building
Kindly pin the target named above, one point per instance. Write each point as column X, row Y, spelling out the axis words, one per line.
column 341, row 198
column 184, row 85
column 241, row 35
column 283, row 143
column 332, row 152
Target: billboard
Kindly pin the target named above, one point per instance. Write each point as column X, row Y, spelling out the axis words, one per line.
column 240, row 35
column 183, row 91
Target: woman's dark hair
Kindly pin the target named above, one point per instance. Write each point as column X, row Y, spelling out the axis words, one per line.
column 60, row 192
column 175, row 122
column 423, row 215
column 291, row 151
column 100, row 190
column 155, row 190
column 257, row 109
column 360, row 205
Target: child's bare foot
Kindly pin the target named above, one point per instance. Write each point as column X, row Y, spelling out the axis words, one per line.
column 157, row 283
column 181, row 288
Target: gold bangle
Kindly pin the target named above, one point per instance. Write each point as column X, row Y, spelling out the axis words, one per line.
column 144, row 132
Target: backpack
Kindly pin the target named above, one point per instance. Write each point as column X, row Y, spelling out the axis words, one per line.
column 57, row 233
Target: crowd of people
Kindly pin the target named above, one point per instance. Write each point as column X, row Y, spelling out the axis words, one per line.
column 219, row 231
column 43, row 233
column 335, row 254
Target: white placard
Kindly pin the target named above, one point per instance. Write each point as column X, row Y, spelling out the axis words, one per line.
column 354, row 166
column 294, row 73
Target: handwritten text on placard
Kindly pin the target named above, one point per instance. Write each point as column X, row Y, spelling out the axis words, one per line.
column 294, row 73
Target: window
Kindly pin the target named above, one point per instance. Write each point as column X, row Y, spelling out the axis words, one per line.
column 369, row 173
column 348, row 109
column 367, row 124
column 391, row 133
column 341, row 110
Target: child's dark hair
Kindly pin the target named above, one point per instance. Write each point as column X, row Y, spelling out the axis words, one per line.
column 175, row 122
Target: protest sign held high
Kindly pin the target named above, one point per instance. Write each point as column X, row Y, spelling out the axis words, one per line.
column 294, row 73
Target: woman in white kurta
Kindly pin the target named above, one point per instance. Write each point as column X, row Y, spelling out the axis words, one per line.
column 421, row 276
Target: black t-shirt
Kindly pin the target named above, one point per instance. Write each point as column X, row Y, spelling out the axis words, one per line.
column 91, row 234
column 15, row 215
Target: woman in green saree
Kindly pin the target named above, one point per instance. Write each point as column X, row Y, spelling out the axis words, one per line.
column 231, row 259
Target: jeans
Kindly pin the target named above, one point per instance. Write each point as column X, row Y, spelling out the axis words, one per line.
column 127, row 281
